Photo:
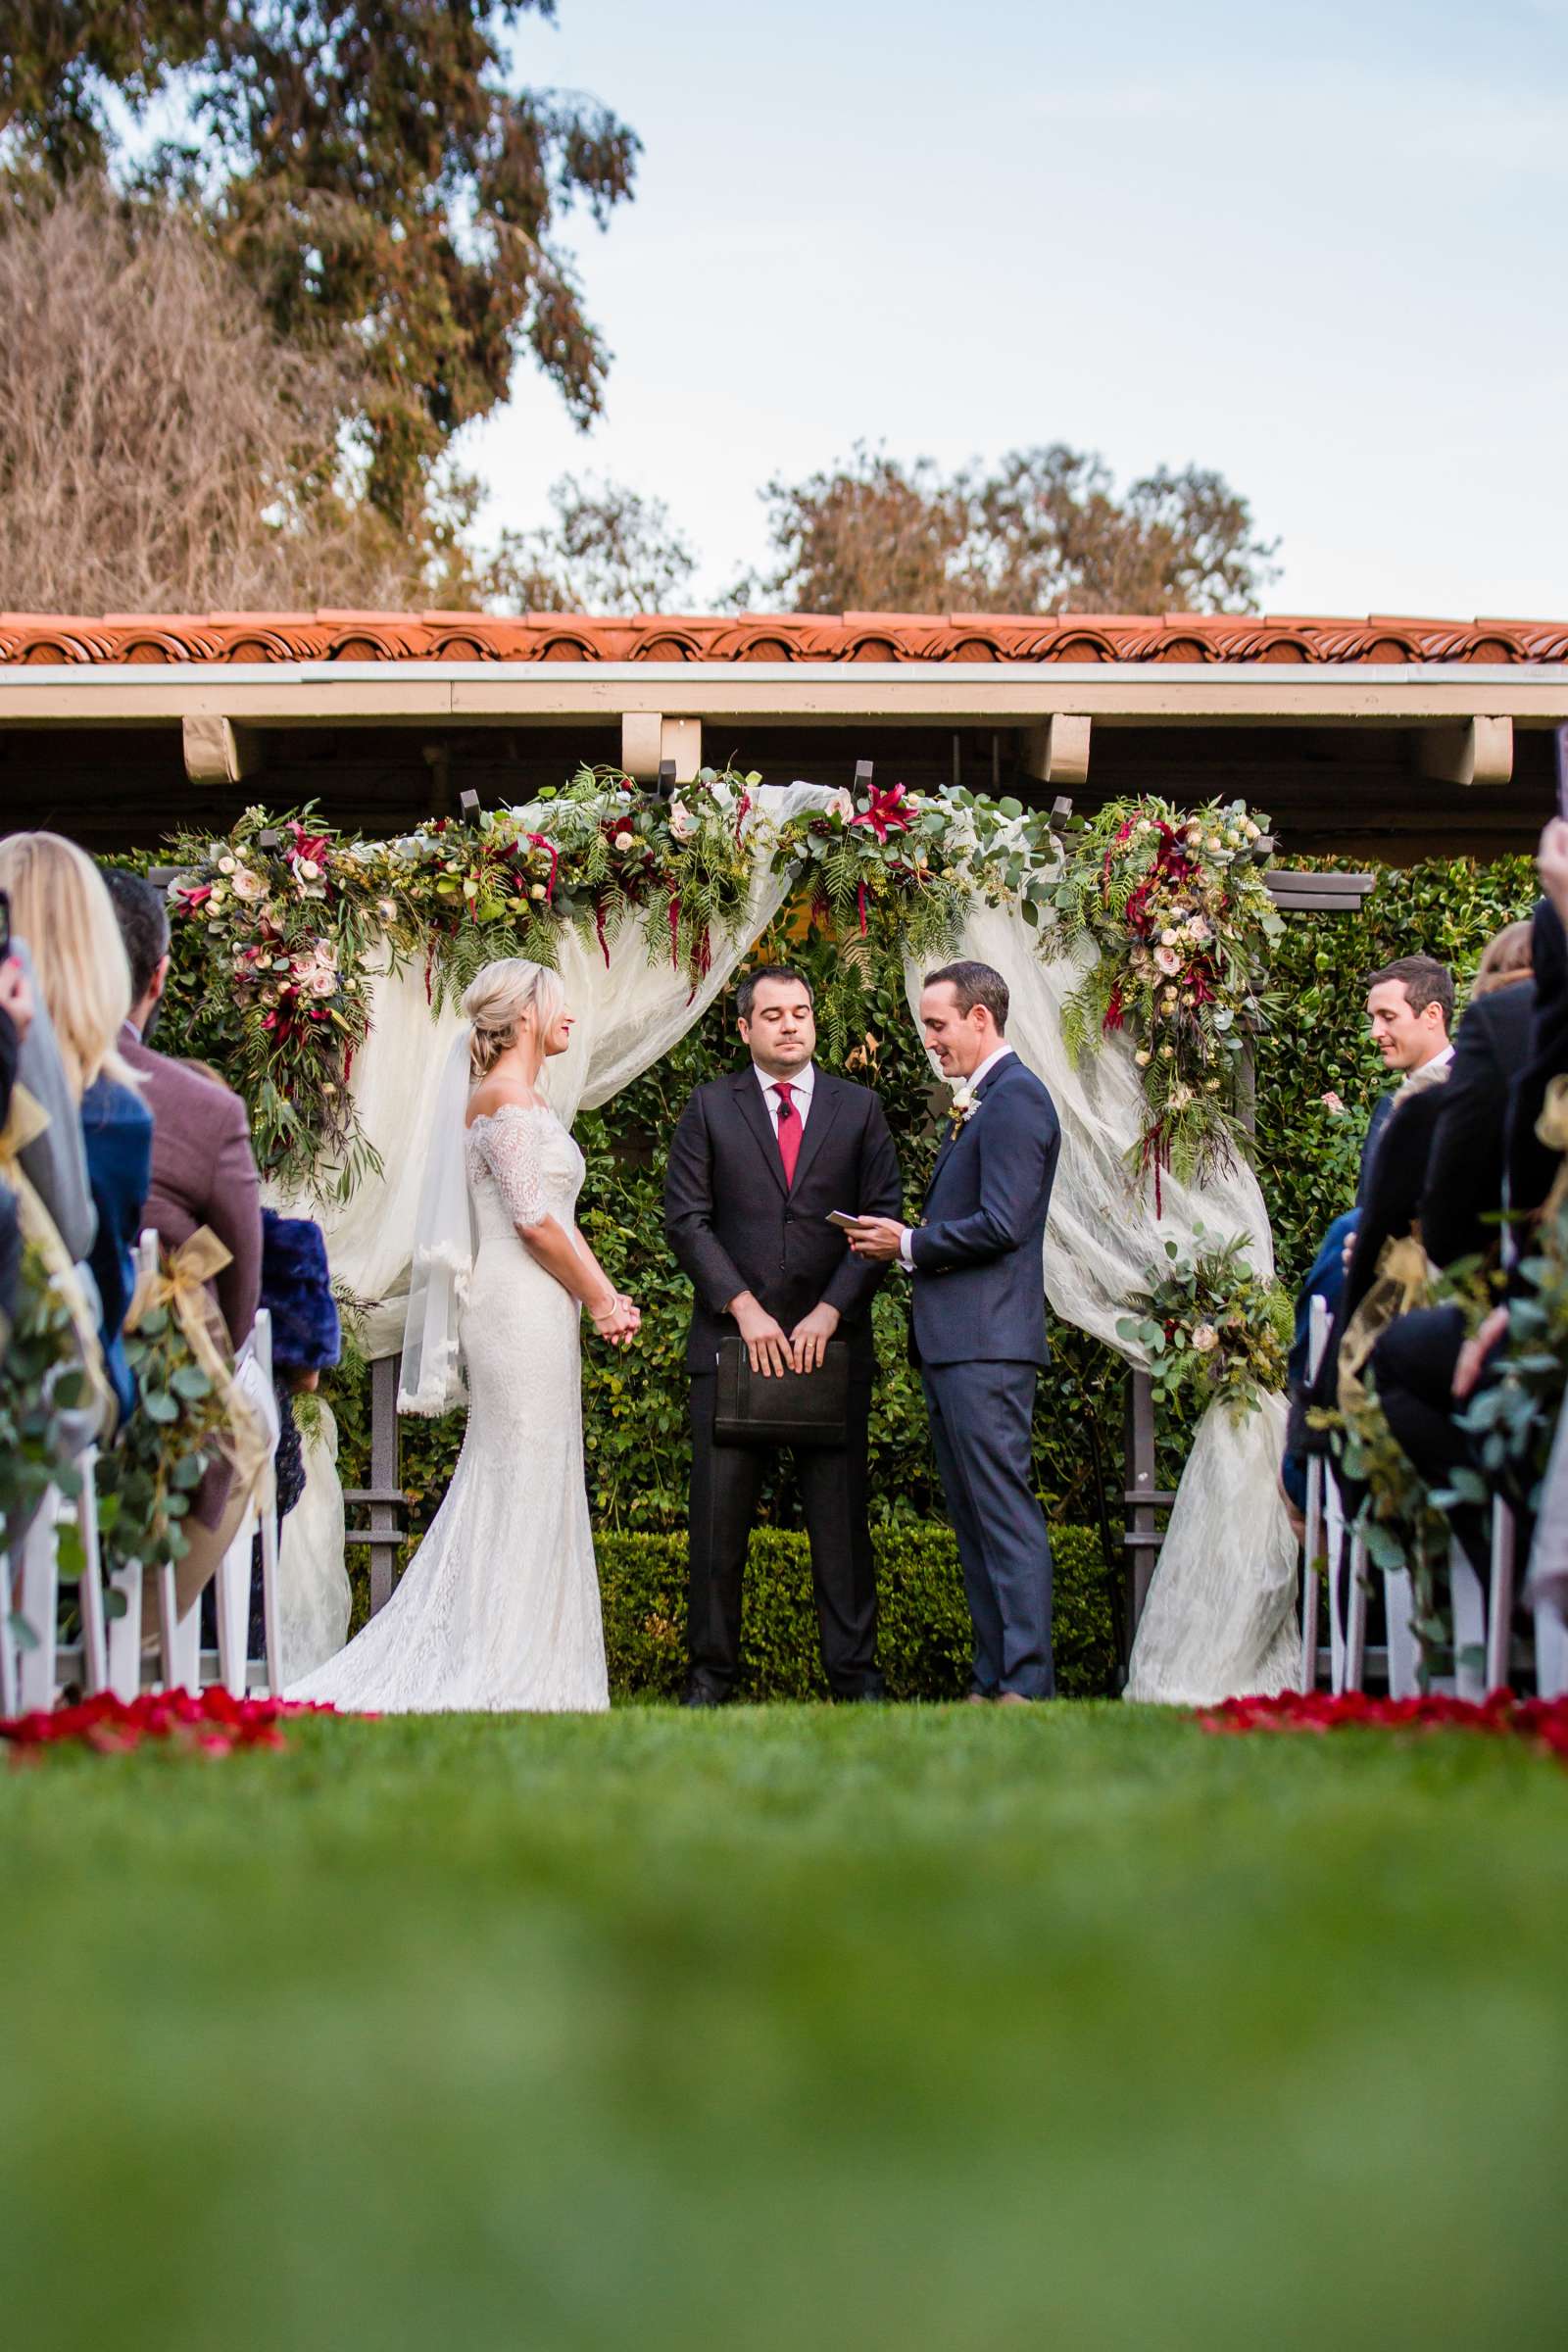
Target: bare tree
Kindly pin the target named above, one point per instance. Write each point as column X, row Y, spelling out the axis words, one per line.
column 1045, row 530
column 160, row 448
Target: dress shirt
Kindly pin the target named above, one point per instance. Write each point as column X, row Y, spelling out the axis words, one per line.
column 973, row 1083
column 1428, row 1069
column 803, row 1082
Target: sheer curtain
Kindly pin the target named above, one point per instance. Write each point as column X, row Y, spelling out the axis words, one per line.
column 1221, row 1613
column 630, row 1011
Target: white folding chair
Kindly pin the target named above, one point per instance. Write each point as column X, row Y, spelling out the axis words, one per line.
column 1469, row 1605
column 1403, row 1651
column 1552, row 1649
column 1317, row 1329
column 1500, row 1598
column 40, row 1605
column 10, row 1684
column 232, row 1584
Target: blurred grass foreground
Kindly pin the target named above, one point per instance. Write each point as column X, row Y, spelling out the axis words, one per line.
column 905, row 2027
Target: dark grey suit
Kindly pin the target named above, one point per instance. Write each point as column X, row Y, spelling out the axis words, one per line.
column 979, row 1321
column 735, row 1225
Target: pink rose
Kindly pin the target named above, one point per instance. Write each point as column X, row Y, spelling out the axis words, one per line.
column 1169, row 960
column 1332, row 1104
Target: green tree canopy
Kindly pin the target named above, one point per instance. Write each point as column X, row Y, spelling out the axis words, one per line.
column 368, row 167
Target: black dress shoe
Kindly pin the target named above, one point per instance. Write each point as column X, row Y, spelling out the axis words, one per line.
column 871, row 1694
column 699, row 1694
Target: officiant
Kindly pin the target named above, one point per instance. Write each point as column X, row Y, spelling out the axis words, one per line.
column 780, row 1349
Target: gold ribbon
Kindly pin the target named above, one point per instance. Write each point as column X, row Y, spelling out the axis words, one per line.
column 27, row 1121
column 1551, row 1129
column 180, row 1284
column 1398, row 1286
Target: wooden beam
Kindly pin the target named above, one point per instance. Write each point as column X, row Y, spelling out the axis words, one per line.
column 1057, row 751
column 217, row 752
column 1477, row 751
column 648, row 738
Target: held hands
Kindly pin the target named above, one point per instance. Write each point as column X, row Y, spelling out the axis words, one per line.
column 878, row 1238
column 619, row 1320
column 772, row 1354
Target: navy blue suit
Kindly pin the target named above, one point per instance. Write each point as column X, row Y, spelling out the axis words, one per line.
column 117, row 1129
column 979, row 1322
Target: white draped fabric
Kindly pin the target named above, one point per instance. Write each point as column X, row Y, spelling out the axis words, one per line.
column 1220, row 1615
column 630, row 1011
column 312, row 1581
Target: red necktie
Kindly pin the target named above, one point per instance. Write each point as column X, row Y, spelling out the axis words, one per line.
column 789, row 1129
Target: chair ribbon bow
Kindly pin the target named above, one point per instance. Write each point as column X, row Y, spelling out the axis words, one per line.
column 27, row 1121
column 180, row 1282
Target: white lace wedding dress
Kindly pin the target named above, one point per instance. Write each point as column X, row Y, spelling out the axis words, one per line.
column 499, row 1608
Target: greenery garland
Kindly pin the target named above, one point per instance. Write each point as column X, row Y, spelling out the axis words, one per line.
column 148, row 1478
column 295, row 915
column 1180, row 921
column 41, row 1382
column 1211, row 1328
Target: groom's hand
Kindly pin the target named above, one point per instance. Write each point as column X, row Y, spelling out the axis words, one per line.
column 766, row 1343
column 876, row 1238
column 811, row 1337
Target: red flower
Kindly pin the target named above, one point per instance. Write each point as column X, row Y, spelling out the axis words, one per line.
column 887, row 811
column 1544, row 1721
column 209, row 1720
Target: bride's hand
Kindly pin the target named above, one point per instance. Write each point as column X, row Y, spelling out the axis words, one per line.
column 618, row 1322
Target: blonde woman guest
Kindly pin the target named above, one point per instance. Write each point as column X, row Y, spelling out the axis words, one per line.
column 60, row 907
column 500, row 1607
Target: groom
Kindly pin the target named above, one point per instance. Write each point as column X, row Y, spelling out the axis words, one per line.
column 976, row 1261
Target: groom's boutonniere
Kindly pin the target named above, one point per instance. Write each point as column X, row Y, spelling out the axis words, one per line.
column 961, row 1109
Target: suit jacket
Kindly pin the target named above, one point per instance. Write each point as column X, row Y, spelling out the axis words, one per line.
column 204, row 1173
column 1393, row 1205
column 118, row 1129
column 1531, row 1165
column 1463, row 1188
column 734, row 1226
column 979, row 1256
column 1369, row 1149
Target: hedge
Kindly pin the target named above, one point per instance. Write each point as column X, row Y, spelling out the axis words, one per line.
column 924, row 1638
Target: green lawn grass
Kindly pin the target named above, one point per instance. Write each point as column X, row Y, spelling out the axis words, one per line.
column 786, row 2027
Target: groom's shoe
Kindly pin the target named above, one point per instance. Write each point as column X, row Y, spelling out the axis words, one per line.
column 701, row 1694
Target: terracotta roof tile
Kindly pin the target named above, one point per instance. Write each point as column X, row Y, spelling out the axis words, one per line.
column 433, row 636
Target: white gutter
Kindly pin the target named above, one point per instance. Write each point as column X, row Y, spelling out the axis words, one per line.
column 951, row 693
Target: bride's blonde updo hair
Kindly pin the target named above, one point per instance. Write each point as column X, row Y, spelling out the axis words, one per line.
column 496, row 1001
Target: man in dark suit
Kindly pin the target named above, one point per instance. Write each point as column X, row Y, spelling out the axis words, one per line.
column 977, row 1263
column 1410, row 1005
column 758, row 1162
column 204, row 1173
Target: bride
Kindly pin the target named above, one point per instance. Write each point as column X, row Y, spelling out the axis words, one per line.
column 500, row 1607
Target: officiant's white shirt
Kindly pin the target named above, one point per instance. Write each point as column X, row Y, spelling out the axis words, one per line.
column 974, row 1079
column 803, row 1083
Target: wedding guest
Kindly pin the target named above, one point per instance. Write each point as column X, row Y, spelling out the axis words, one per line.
column 1410, row 1005
column 203, row 1173
column 61, row 907
column 1464, row 1199
column 16, row 1018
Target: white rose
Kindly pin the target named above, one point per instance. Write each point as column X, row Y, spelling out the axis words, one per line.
column 308, row 870
column 1168, row 1053
column 1168, row 939
column 1142, row 1057
column 682, row 824
column 321, row 983
column 625, row 840
column 1205, row 1339
column 225, row 865
column 536, row 889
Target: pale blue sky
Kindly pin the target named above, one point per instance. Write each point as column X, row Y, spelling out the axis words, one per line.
column 1319, row 249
